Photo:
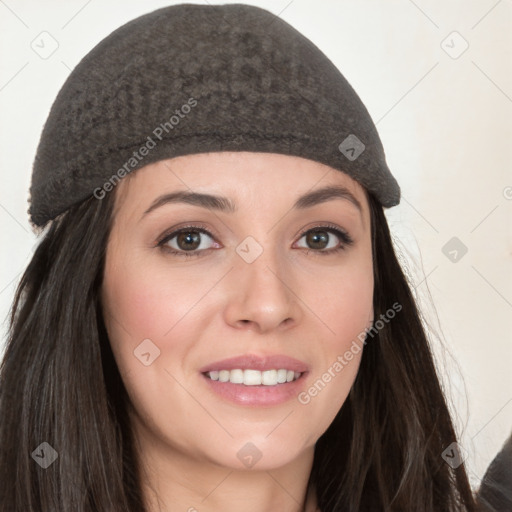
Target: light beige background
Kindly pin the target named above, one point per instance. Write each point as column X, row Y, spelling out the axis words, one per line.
column 444, row 116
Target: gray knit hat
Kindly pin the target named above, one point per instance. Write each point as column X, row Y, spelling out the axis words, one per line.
column 194, row 78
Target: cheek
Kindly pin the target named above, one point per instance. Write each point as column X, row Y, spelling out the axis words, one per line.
column 350, row 315
column 346, row 309
column 136, row 308
column 352, row 310
column 143, row 302
column 345, row 304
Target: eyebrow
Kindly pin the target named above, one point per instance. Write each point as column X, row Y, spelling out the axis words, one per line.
column 224, row 204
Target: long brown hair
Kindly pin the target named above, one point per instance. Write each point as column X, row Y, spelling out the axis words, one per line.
column 59, row 384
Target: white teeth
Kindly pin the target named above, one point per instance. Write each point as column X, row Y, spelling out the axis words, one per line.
column 269, row 377
column 252, row 377
column 281, row 376
column 236, row 376
column 255, row 377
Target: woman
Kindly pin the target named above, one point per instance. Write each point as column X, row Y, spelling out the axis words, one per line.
column 215, row 316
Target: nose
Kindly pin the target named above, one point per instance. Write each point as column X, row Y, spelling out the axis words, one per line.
column 262, row 296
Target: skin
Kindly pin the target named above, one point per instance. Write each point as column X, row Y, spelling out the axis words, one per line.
column 216, row 305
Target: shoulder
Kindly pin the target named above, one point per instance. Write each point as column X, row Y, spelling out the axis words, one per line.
column 495, row 492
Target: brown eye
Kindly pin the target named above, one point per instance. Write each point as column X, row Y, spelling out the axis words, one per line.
column 317, row 239
column 322, row 240
column 191, row 241
column 188, row 240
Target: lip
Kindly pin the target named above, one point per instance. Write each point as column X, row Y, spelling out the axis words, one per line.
column 255, row 362
column 261, row 395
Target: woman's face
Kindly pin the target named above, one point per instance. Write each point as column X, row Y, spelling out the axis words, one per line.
column 258, row 273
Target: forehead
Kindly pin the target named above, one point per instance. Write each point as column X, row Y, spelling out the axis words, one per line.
column 247, row 179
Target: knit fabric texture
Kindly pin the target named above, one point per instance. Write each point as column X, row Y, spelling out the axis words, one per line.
column 192, row 78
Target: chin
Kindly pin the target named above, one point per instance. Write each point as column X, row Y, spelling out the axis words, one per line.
column 259, row 452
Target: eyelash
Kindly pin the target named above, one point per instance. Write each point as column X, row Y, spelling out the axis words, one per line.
column 344, row 237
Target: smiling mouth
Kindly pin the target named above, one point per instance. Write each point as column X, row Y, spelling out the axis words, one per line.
column 250, row 377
